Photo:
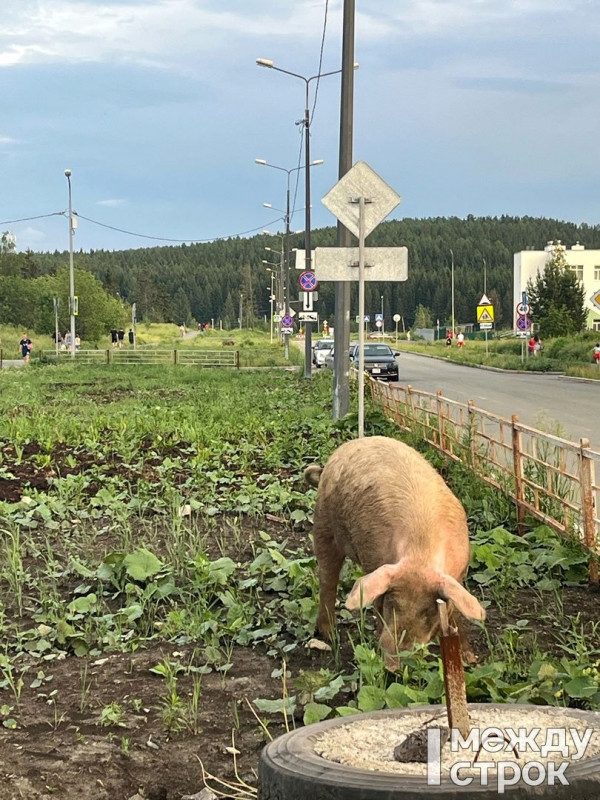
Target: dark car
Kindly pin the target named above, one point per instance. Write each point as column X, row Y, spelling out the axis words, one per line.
column 380, row 360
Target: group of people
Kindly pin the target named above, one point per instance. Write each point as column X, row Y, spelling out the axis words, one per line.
column 460, row 339
column 117, row 337
column 64, row 341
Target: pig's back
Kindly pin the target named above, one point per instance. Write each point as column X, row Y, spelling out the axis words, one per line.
column 384, row 500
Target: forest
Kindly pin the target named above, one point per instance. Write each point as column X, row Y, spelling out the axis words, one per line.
column 205, row 282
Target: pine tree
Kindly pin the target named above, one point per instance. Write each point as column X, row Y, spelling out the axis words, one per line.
column 557, row 298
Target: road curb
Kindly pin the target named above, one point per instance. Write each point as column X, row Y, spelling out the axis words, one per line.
column 494, row 369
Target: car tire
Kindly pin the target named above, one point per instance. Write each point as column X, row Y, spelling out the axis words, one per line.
column 289, row 769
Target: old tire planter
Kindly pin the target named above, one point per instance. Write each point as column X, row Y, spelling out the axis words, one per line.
column 289, row 769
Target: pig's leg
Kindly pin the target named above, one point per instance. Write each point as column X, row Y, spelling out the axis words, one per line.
column 330, row 560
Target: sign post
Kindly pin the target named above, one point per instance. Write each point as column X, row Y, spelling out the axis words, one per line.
column 360, row 200
column 396, row 319
column 485, row 318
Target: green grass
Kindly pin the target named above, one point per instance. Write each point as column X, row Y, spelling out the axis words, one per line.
column 168, row 505
column 572, row 355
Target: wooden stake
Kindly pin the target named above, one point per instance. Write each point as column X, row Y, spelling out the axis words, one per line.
column 454, row 674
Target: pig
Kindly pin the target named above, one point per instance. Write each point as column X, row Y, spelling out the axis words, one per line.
column 381, row 504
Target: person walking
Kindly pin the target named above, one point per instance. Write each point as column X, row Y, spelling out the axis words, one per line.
column 460, row 340
column 121, row 336
column 597, row 354
column 26, row 346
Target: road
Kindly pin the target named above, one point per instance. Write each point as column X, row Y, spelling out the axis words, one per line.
column 541, row 401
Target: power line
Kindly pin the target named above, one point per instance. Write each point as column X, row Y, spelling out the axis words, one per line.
column 320, row 59
column 141, row 235
column 27, row 219
column 181, row 241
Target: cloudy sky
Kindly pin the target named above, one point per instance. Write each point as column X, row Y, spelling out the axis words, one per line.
column 159, row 109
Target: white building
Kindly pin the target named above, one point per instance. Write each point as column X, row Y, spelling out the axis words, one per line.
column 584, row 263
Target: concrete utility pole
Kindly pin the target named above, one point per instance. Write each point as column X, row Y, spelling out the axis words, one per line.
column 341, row 365
column 71, row 269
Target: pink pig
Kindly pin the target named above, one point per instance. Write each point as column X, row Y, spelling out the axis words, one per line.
column 383, row 505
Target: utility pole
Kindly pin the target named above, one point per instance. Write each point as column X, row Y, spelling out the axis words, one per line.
column 341, row 365
column 72, row 300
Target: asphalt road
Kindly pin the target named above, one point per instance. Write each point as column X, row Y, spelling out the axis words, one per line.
column 541, row 401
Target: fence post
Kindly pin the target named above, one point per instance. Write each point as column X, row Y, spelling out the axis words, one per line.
column 518, row 471
column 472, row 430
column 237, row 358
column 108, row 357
column 411, row 407
column 586, row 480
column 175, row 357
column 441, row 421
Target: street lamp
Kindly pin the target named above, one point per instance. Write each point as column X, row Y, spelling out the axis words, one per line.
column 452, row 290
column 264, row 163
column 267, row 62
column 71, row 270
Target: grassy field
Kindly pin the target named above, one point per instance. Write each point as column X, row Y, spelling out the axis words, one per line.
column 571, row 355
column 255, row 347
column 158, row 589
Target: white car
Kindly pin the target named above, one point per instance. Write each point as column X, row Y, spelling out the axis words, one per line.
column 321, row 349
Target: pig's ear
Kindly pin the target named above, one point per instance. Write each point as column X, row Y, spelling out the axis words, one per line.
column 373, row 585
column 468, row 605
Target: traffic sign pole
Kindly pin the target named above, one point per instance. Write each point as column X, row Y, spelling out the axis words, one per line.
column 361, row 314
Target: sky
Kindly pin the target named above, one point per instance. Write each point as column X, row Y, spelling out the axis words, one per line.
column 483, row 107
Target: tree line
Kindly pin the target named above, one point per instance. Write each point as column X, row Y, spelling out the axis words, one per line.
column 204, row 282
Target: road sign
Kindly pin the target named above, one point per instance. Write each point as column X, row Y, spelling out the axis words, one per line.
column 308, row 316
column 524, row 323
column 361, row 181
column 307, row 301
column 287, row 321
column 277, row 317
column 523, row 309
column 485, row 326
column 308, row 281
column 485, row 301
column 379, row 323
column 485, row 313
column 396, row 317
column 378, row 316
column 595, row 299
column 524, row 298
column 341, row 263
column 367, row 318
column 287, row 330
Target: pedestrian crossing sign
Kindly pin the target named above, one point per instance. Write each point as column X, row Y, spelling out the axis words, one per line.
column 485, row 313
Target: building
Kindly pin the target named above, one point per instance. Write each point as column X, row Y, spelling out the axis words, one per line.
column 584, row 263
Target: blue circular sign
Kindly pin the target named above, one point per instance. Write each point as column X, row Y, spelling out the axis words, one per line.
column 287, row 321
column 523, row 323
column 308, row 281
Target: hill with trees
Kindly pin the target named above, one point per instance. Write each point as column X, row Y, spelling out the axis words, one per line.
column 203, row 282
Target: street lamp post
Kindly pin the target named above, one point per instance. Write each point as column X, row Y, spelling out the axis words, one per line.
column 265, row 62
column 71, row 269
column 452, row 290
column 262, row 162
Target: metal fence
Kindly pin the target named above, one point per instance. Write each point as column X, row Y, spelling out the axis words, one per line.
column 192, row 358
column 550, row 478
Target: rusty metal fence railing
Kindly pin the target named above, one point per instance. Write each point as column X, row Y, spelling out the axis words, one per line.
column 550, row 478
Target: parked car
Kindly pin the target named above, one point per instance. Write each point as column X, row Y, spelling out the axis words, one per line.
column 321, row 349
column 380, row 360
